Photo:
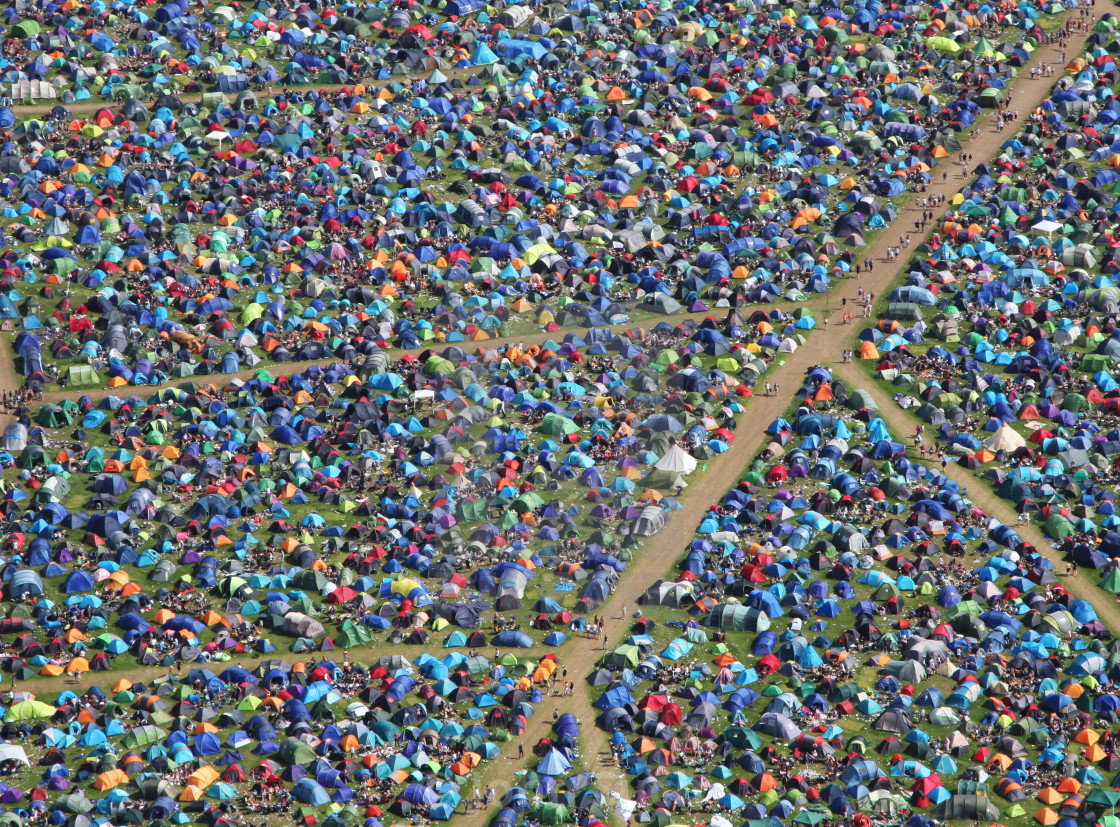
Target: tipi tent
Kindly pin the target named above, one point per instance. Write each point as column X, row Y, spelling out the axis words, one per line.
column 676, row 460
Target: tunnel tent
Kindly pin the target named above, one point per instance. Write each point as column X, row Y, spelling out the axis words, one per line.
column 738, row 617
column 302, row 625
column 904, row 311
column 665, row 480
column 651, row 520
column 966, row 808
column 25, row 29
column 25, row 583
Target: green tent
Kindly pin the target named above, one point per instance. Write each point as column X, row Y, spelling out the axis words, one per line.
column 738, row 617
column 29, row 711
column 472, row 511
column 529, row 501
column 294, row 751
column 352, row 635
column 555, row 424
column 82, row 376
column 624, row 657
column 53, row 416
column 549, row 812
column 25, row 29
column 1058, row 527
column 143, row 736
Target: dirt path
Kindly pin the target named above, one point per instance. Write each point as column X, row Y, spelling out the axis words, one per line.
column 87, row 107
column 902, row 424
column 279, row 369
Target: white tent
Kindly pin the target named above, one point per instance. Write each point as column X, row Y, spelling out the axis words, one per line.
column 677, row 460
column 9, row 752
column 1005, row 438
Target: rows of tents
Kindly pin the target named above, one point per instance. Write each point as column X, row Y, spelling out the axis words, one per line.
column 515, row 198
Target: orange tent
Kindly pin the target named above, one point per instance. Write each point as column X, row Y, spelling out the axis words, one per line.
column 765, row 781
column 111, row 778
column 117, row 579
column 1046, row 816
column 203, row 777
column 1094, row 753
column 1085, row 736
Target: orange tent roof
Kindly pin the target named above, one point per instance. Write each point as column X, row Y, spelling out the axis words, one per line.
column 1085, row 736
column 111, row 778
column 1046, row 816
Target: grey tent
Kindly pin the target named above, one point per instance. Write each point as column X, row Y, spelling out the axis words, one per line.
column 1082, row 255
column 15, row 437
column 904, row 311
column 662, row 303
column 395, row 662
column 860, row 399
column 777, row 725
column 301, row 625
column 512, row 583
column 677, row 461
column 923, row 649
column 162, row 571
column 1011, row 747
column 893, row 720
column 514, row 17
column 33, row 90
column 907, row 671
column 668, row 593
column 650, row 521
column 665, row 480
